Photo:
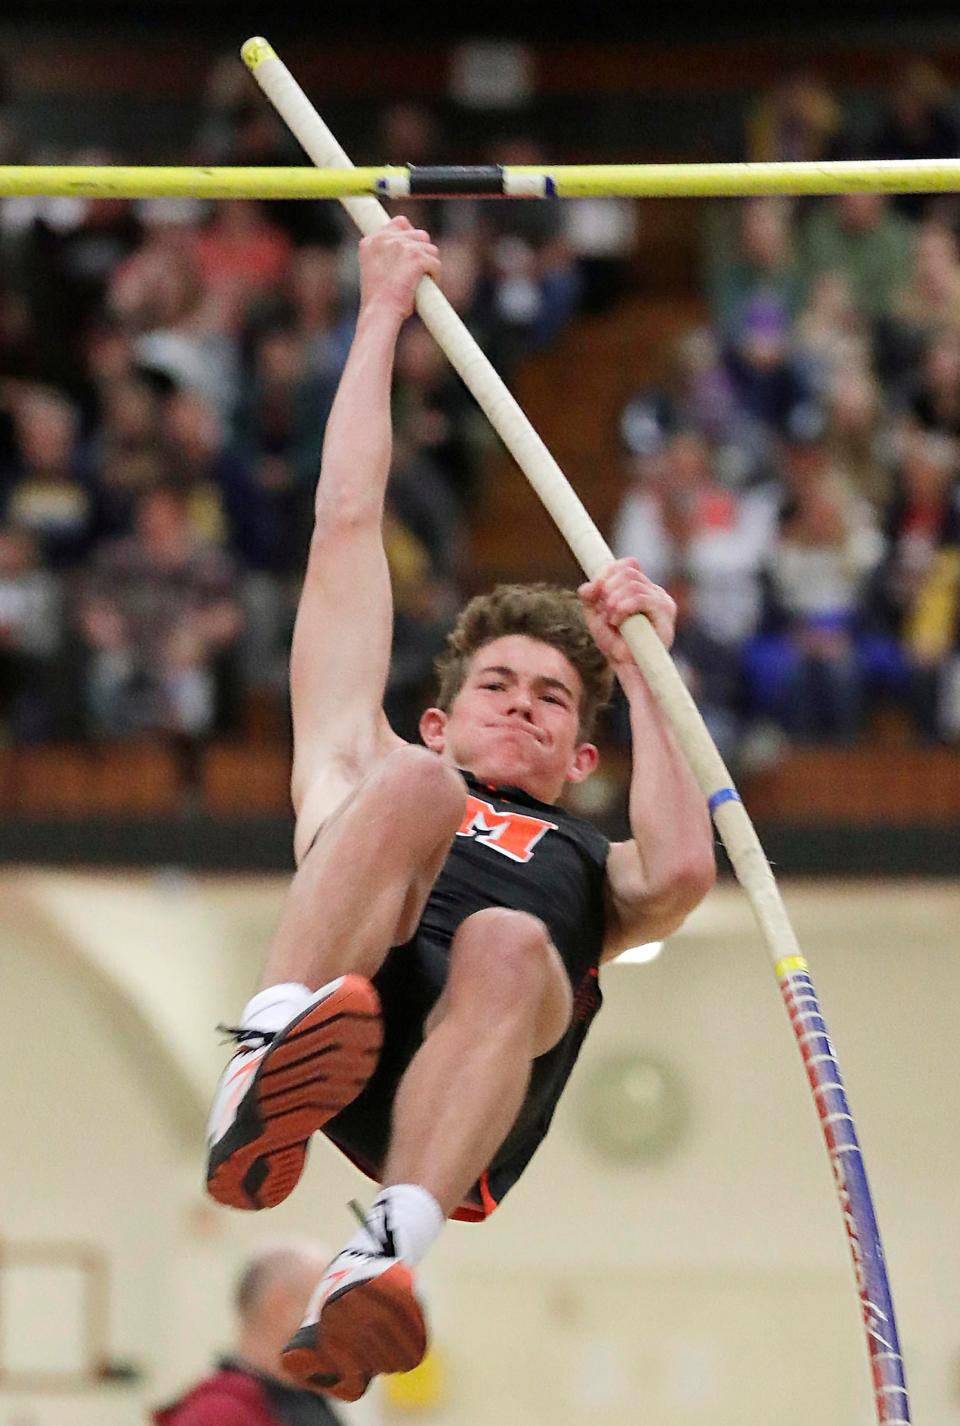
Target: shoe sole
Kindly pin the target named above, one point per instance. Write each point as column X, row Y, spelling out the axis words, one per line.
column 319, row 1065
column 366, row 1329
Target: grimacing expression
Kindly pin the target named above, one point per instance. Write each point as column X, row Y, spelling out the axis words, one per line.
column 516, row 718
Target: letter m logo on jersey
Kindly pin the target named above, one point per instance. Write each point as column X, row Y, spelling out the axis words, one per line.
column 512, row 834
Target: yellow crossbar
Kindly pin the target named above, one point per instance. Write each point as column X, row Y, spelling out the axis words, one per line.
column 660, row 180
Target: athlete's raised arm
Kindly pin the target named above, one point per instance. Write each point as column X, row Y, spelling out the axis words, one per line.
column 341, row 641
column 656, row 879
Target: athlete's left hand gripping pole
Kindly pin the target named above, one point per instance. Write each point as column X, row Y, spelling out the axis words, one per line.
column 732, row 822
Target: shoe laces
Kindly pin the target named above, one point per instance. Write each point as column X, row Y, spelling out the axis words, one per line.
column 246, row 1037
column 383, row 1237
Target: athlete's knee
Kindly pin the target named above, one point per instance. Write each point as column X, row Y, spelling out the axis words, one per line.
column 518, row 936
column 419, row 785
column 505, row 960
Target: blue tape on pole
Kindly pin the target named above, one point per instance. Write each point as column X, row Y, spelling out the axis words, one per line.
column 725, row 794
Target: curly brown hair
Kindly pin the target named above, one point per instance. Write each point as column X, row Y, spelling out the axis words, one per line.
column 547, row 612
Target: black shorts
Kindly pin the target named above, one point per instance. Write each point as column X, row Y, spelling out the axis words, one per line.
column 409, row 984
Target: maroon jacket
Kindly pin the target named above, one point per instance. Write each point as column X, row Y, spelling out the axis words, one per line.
column 236, row 1396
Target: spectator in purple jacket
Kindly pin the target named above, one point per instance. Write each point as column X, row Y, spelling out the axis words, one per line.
column 249, row 1387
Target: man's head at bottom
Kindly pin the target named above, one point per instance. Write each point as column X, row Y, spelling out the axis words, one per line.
column 271, row 1297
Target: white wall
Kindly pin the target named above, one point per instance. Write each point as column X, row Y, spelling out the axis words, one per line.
column 709, row 1288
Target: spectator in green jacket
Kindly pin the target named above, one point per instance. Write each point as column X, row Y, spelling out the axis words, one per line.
column 860, row 237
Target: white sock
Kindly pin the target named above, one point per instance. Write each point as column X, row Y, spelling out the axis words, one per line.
column 275, row 1007
column 403, row 1221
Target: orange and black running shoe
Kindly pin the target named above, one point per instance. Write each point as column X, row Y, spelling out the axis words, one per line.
column 280, row 1087
column 364, row 1318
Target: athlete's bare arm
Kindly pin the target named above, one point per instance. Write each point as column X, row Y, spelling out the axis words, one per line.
column 656, row 879
column 341, row 643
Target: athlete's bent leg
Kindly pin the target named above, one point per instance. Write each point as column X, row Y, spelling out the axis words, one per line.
column 309, row 1040
column 506, row 1001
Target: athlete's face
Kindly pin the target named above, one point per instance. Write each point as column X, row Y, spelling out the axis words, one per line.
column 515, row 720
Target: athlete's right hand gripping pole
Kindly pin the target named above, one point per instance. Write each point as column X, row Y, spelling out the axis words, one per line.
column 735, row 828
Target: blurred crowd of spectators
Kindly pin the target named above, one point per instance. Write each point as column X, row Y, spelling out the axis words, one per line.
column 166, row 369
column 795, row 481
